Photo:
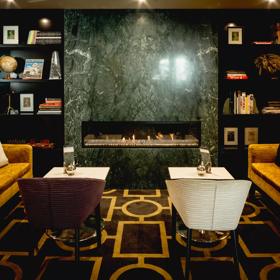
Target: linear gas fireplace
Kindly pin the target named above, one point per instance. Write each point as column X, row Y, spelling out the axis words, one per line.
column 139, row 134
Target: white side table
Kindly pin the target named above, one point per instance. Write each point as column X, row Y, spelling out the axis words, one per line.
column 217, row 173
column 80, row 172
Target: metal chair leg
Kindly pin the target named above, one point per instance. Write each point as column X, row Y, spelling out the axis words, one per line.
column 77, row 245
column 98, row 225
column 234, row 236
column 188, row 256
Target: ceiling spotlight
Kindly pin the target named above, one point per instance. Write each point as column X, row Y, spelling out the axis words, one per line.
column 45, row 23
column 142, row 1
column 10, row 1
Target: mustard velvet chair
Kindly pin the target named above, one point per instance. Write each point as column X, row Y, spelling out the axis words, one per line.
column 214, row 205
column 62, row 203
column 263, row 171
column 19, row 166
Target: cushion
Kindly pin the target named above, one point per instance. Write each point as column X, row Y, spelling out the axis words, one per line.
column 3, row 157
column 6, row 181
column 277, row 159
column 15, row 170
column 269, row 172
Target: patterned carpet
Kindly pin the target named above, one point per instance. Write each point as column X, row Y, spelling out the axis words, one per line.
column 136, row 244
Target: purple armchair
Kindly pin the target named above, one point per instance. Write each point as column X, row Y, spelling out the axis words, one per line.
column 61, row 203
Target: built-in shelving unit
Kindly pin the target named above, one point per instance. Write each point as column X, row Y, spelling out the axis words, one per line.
column 19, row 127
column 238, row 129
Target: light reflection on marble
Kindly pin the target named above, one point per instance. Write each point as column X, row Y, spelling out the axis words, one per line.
column 139, row 66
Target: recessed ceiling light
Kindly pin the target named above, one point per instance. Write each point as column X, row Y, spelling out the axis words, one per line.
column 10, row 1
column 45, row 23
column 142, row 1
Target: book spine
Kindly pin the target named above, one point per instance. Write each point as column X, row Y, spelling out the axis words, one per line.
column 234, row 102
column 48, row 33
column 251, row 98
column 247, row 110
column 238, row 101
column 243, row 101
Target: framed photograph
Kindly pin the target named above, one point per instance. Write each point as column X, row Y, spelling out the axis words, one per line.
column 26, row 102
column 33, row 69
column 230, row 136
column 10, row 34
column 234, row 35
column 251, row 135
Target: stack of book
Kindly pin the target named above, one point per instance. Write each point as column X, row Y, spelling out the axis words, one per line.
column 51, row 106
column 44, row 37
column 236, row 75
column 263, row 42
column 242, row 103
column 273, row 107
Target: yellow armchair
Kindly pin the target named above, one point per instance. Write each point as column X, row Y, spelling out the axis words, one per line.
column 20, row 166
column 263, row 171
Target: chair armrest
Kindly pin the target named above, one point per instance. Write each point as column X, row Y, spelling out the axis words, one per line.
column 261, row 153
column 18, row 152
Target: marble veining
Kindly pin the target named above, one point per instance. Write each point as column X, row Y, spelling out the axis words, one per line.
column 139, row 66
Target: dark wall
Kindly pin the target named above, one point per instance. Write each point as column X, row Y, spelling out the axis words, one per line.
column 142, row 66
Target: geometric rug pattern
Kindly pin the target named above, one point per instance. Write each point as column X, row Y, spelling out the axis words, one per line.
column 136, row 244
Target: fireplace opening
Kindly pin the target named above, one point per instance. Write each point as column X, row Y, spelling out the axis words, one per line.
column 140, row 134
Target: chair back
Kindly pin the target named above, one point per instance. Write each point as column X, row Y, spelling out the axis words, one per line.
column 60, row 203
column 209, row 204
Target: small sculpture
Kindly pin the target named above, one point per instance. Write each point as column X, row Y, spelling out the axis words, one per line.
column 268, row 63
column 55, row 70
column 201, row 170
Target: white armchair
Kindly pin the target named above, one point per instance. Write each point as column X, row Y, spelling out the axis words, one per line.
column 208, row 205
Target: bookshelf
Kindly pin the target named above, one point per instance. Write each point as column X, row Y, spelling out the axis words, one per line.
column 237, row 129
column 45, row 131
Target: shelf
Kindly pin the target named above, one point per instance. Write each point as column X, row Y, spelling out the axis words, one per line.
column 29, row 81
column 24, row 46
column 250, row 116
column 30, row 116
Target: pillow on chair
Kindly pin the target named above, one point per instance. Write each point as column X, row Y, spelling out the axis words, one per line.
column 3, row 157
column 277, row 159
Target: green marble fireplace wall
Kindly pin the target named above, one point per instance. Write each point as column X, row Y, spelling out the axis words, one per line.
column 140, row 66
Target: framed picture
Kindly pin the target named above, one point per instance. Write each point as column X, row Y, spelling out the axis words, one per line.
column 26, row 102
column 234, row 35
column 230, row 136
column 10, row 34
column 251, row 135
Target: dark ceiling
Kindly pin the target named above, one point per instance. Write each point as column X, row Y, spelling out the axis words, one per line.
column 134, row 4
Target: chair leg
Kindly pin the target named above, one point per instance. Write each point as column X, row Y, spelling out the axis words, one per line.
column 173, row 226
column 188, row 257
column 77, row 245
column 234, row 236
column 98, row 225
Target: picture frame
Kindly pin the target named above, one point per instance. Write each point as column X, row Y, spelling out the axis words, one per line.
column 251, row 135
column 26, row 103
column 230, row 136
column 235, row 35
column 10, row 34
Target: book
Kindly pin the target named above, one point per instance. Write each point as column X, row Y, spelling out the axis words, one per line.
column 33, row 69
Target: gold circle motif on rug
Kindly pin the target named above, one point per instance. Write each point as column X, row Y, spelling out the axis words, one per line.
column 141, row 208
column 135, row 270
column 250, row 210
